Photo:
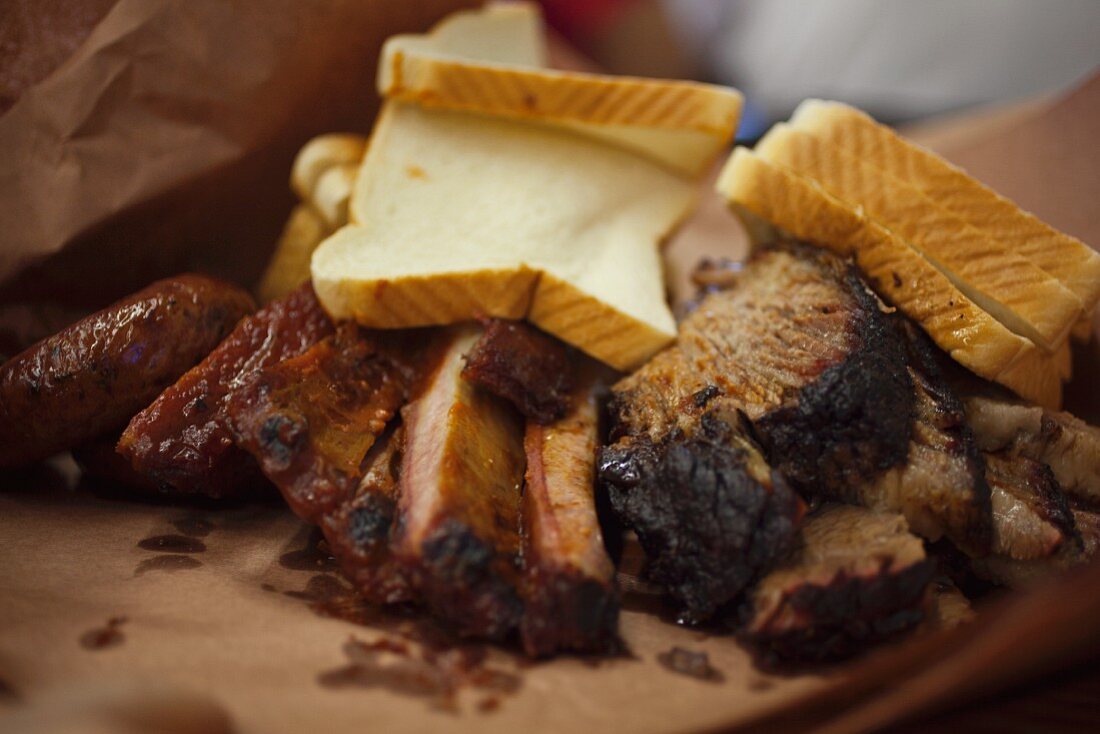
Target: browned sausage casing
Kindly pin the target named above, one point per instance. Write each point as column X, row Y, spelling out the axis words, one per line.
column 93, row 376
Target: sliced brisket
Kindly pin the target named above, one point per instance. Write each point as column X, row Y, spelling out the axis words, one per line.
column 1005, row 423
column 857, row 577
column 708, row 510
column 941, row 488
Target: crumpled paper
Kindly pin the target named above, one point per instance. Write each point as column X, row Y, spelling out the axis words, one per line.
column 164, row 143
column 135, row 616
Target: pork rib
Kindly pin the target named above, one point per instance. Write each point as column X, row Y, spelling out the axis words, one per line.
column 571, row 602
column 857, row 577
column 358, row 532
column 310, row 420
column 459, row 508
column 182, row 441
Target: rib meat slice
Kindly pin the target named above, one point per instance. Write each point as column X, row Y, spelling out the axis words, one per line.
column 857, row 577
column 569, row 591
column 941, row 488
column 182, row 441
column 521, row 364
column 459, row 508
column 708, row 510
column 1067, row 444
column 1031, row 518
column 358, row 532
column 310, row 420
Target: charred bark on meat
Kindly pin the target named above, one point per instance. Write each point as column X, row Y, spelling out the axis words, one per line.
column 709, row 512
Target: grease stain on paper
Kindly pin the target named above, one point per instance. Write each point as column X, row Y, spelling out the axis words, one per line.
column 101, row 638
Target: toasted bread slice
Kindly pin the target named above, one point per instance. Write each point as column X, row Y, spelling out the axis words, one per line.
column 476, row 66
column 765, row 194
column 455, row 216
column 1066, row 258
column 1011, row 289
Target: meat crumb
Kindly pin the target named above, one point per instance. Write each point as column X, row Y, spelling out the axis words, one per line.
column 690, row 663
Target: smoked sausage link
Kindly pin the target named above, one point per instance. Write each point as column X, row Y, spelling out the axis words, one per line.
column 95, row 375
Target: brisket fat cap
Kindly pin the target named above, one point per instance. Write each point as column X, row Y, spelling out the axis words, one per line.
column 802, row 348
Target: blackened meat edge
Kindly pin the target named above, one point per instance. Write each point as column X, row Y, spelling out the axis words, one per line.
column 857, row 577
column 709, row 512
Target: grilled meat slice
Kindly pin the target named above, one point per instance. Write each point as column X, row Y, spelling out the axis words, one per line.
column 1022, row 573
column 708, row 510
column 182, row 442
column 1031, row 518
column 571, row 602
column 521, row 364
column 93, row 376
column 1067, row 444
column 801, row 347
column 857, row 577
column 941, row 488
column 459, row 508
column 310, row 420
column 358, row 532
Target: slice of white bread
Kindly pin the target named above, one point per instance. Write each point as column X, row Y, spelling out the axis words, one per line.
column 1021, row 296
column 456, row 216
column 769, row 195
column 683, row 125
column 1072, row 262
column 492, row 187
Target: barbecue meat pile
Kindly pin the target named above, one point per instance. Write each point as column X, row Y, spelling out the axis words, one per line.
column 789, row 373
column 791, row 376
column 782, row 463
column 416, row 476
